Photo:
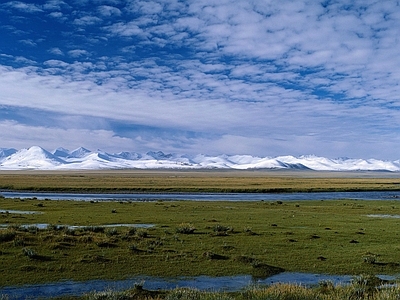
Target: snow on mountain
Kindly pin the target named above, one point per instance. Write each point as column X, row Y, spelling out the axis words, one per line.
column 91, row 161
column 33, row 158
column 61, row 152
column 128, row 155
column 83, row 159
column 79, row 153
column 4, row 152
column 159, row 155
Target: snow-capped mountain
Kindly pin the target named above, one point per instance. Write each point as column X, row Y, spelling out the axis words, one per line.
column 79, row 153
column 32, row 158
column 4, row 152
column 83, row 159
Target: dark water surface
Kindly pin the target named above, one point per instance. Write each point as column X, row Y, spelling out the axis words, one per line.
column 375, row 195
column 204, row 283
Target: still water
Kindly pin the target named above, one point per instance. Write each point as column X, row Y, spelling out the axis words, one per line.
column 204, row 283
column 376, row 195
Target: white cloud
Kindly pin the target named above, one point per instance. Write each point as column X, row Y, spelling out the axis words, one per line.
column 56, row 51
column 126, row 30
column 78, row 53
column 55, row 5
column 24, row 60
column 145, row 7
column 108, row 11
column 262, row 125
column 252, row 76
column 25, row 7
column 87, row 21
column 52, row 138
column 55, row 63
column 28, row 43
column 58, row 15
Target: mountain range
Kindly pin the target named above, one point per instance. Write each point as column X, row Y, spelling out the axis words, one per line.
column 37, row 158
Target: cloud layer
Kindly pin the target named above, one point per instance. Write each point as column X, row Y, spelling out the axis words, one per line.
column 235, row 77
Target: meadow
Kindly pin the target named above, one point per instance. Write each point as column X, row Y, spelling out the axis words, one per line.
column 218, row 181
column 190, row 238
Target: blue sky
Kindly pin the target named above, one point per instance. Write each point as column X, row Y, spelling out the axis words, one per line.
column 262, row 77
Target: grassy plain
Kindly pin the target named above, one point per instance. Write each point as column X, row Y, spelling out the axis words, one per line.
column 218, row 181
column 256, row 238
column 193, row 237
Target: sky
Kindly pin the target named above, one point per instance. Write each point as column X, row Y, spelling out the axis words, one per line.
column 257, row 77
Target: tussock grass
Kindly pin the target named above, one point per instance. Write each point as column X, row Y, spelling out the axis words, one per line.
column 185, row 228
column 306, row 236
column 7, row 235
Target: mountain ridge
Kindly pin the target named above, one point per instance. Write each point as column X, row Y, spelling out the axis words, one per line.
column 38, row 158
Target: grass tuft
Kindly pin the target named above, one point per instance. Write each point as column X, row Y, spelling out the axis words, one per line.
column 185, row 228
column 221, row 230
column 95, row 229
column 7, row 236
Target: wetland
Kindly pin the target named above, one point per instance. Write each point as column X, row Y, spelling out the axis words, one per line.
column 195, row 238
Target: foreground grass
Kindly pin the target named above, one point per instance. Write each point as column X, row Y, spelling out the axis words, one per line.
column 191, row 181
column 196, row 238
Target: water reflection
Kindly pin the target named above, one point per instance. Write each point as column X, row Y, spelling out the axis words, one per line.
column 375, row 195
column 205, row 283
column 73, row 227
column 21, row 212
column 382, row 216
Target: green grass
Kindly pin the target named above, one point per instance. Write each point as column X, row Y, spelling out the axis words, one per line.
column 231, row 238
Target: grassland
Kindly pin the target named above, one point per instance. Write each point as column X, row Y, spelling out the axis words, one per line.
column 198, row 181
column 196, row 238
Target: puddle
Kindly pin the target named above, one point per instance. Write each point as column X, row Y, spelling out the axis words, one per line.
column 204, row 283
column 385, row 216
column 45, row 226
column 22, row 212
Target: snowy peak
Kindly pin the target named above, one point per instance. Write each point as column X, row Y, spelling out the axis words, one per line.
column 61, row 152
column 35, row 152
column 159, row 155
column 32, row 158
column 83, row 159
column 128, row 155
column 4, row 152
column 79, row 153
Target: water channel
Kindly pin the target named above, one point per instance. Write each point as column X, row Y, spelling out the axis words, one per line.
column 374, row 195
column 205, row 283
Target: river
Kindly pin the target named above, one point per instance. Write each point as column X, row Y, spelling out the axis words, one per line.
column 204, row 283
column 374, row 195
